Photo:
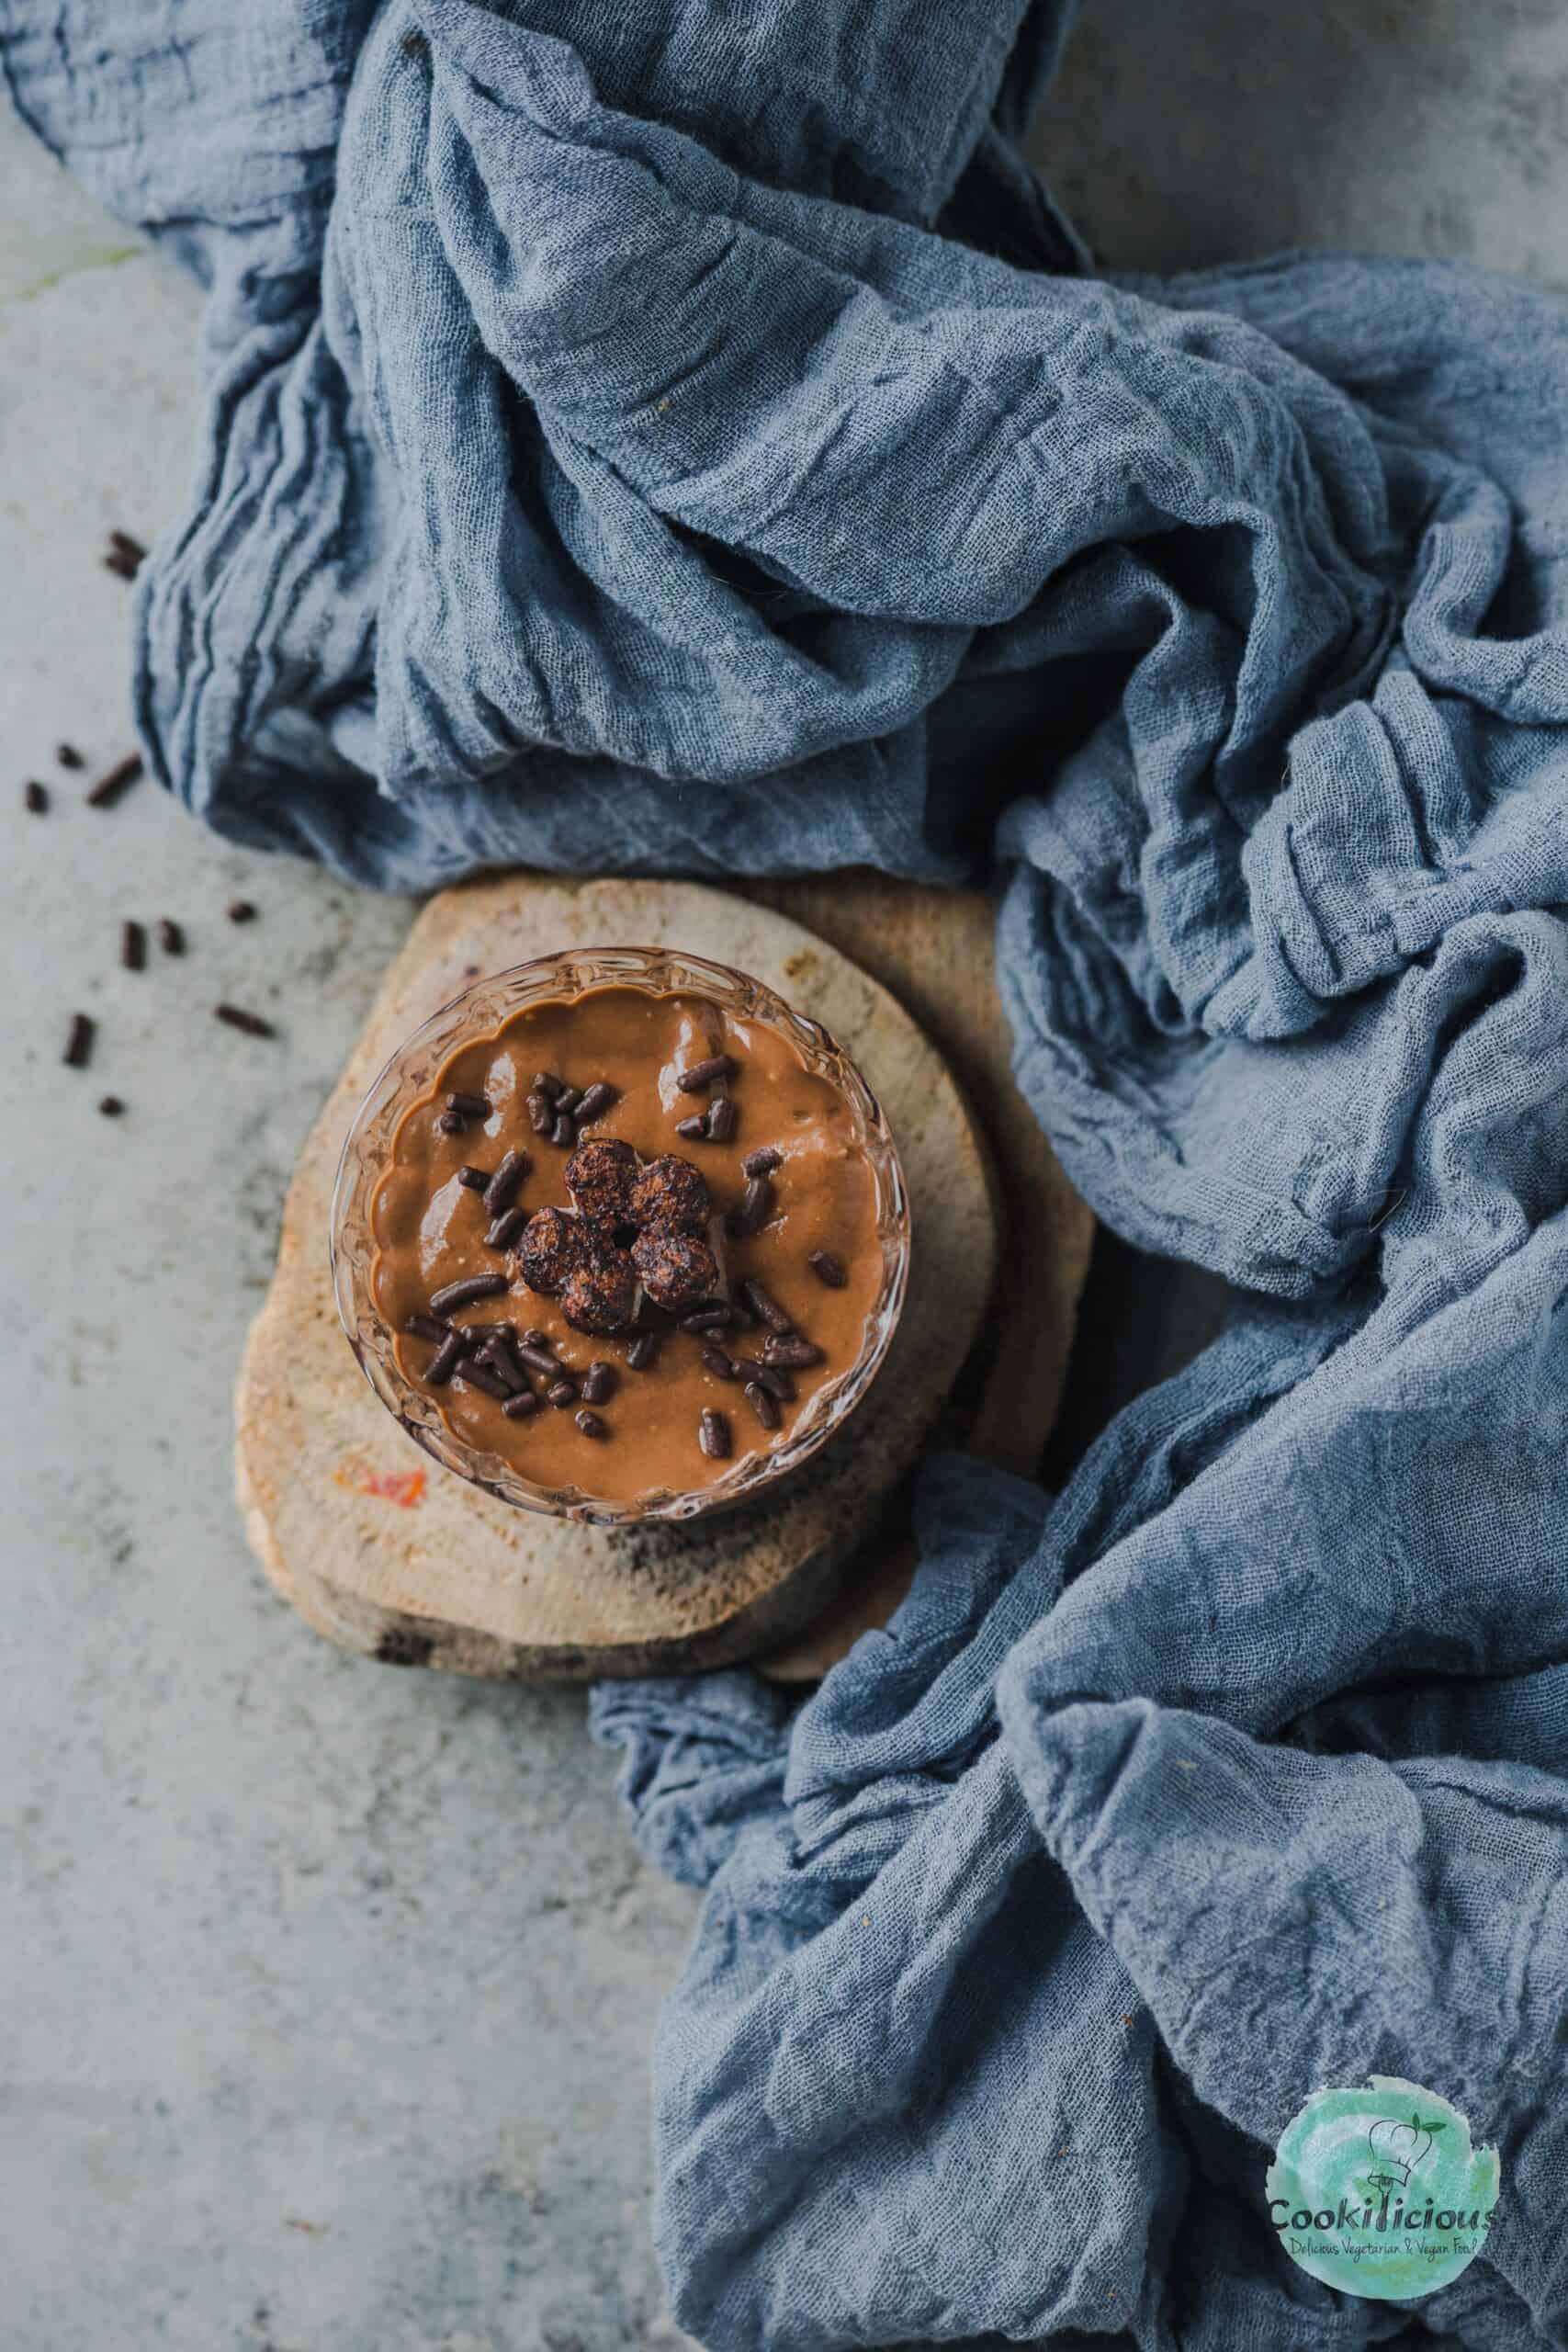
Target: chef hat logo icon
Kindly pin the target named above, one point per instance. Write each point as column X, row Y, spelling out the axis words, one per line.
column 1399, row 2227
column 1398, row 2147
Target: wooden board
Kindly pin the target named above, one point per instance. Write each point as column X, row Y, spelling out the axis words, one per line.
column 933, row 950
column 388, row 1554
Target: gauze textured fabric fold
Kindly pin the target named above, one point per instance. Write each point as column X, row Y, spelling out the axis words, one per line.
column 680, row 436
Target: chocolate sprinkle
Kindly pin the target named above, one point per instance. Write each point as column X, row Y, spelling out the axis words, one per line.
column 538, row 1359
column 504, row 1186
column 468, row 1106
column 723, row 1119
column 713, row 1315
column 489, row 1384
column 241, row 910
column 643, row 1349
column 124, row 545
column 765, row 1307
column 444, row 1361
column 518, row 1408
column 541, row 1115
column 464, row 1292
column 776, row 1382
column 766, row 1408
column 425, row 1327
column 712, row 1435
column 170, row 938
column 251, row 1024
column 133, row 946
column 702, row 1074
column 595, row 1101
column 721, row 1366
column 473, row 1179
column 79, row 1044
column 567, row 1102
column 762, row 1161
column 598, row 1383
column 111, row 1106
column 591, row 1425
column 448, row 1124
column 693, row 1130
column 562, row 1393
column 828, row 1267
column 755, row 1208
column 546, row 1082
column 35, row 798
column 119, row 779
column 69, row 756
column 563, row 1134
column 496, row 1354
column 506, row 1230
column 791, row 1352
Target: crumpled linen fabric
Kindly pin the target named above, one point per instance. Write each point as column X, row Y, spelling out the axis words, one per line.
column 680, row 436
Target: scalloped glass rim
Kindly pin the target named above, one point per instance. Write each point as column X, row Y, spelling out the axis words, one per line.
column 410, row 1070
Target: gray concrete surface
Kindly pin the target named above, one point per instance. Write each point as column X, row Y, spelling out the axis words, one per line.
column 1204, row 130
column 325, row 1990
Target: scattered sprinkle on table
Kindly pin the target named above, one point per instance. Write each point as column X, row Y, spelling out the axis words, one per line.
column 111, row 1106
column 133, row 946
column 79, row 1044
column 69, row 756
column 119, row 781
column 170, row 938
column 35, row 798
column 250, row 1023
column 125, row 555
column 241, row 910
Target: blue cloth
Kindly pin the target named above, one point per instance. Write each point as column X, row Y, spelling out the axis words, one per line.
column 674, row 435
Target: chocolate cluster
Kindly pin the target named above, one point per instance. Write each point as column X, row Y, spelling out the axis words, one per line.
column 670, row 1192
column 601, row 1294
column 583, row 1260
column 553, row 1246
column 676, row 1269
column 601, row 1177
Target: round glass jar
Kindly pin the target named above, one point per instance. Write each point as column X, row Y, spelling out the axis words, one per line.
column 410, row 1078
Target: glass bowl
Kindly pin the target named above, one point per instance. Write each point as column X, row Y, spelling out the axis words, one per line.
column 412, row 1073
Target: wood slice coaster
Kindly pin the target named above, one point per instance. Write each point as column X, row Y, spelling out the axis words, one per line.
column 935, row 950
column 387, row 1553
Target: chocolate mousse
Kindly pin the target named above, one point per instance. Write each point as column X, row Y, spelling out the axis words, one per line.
column 625, row 1240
